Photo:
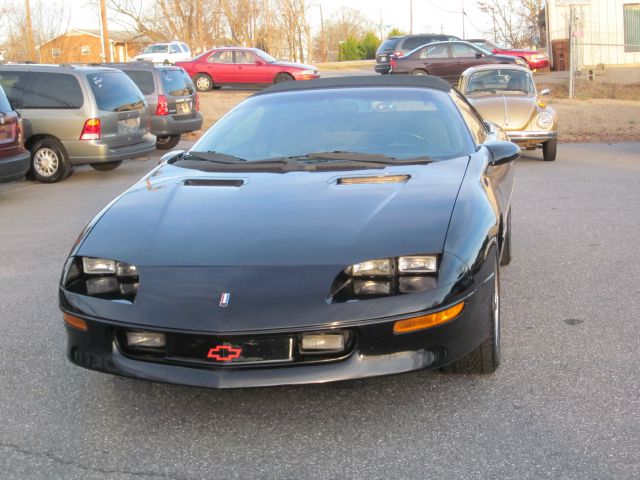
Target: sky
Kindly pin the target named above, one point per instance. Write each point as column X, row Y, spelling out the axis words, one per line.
column 429, row 16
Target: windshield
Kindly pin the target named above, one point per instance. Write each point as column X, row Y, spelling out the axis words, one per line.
column 401, row 123
column 156, row 49
column 176, row 82
column 266, row 57
column 502, row 80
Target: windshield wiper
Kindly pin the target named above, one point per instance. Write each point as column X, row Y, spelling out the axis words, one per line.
column 373, row 158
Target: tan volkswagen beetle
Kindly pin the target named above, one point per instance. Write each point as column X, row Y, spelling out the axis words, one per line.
column 506, row 95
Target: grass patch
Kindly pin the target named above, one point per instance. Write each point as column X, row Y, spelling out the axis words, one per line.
column 587, row 90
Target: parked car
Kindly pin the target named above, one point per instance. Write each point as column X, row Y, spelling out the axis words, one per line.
column 447, row 60
column 268, row 253
column 243, row 67
column 507, row 96
column 402, row 45
column 536, row 59
column 166, row 53
column 14, row 159
column 77, row 115
column 171, row 97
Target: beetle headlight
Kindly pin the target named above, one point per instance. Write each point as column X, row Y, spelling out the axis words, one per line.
column 101, row 278
column 544, row 120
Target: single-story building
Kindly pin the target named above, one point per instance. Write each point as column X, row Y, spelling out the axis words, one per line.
column 605, row 31
column 85, row 46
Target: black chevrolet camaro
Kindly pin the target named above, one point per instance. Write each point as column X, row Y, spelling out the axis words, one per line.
column 320, row 231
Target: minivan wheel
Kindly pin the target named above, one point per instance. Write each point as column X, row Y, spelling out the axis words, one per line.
column 105, row 167
column 419, row 72
column 203, row 82
column 49, row 161
column 167, row 142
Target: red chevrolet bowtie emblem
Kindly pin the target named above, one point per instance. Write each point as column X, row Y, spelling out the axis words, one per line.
column 224, row 353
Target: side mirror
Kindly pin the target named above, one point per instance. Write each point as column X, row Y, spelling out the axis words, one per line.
column 259, row 62
column 503, row 152
column 546, row 91
column 491, row 127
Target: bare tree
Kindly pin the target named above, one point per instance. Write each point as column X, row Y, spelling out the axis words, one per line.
column 514, row 21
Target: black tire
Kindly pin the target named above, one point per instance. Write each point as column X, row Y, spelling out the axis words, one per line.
column 167, row 142
column 166, row 62
column 549, row 149
column 485, row 358
column 105, row 167
column 419, row 71
column 506, row 248
column 49, row 161
column 282, row 77
column 203, row 82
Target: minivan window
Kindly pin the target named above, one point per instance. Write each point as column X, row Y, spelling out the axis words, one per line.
column 414, row 42
column 114, row 91
column 156, row 49
column 4, row 102
column 143, row 80
column 176, row 82
column 13, row 84
column 389, row 44
column 52, row 90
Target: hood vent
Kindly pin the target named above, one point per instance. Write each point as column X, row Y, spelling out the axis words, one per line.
column 214, row 182
column 373, row 180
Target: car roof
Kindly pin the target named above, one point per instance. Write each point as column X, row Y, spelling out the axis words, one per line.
column 141, row 65
column 495, row 66
column 407, row 81
column 50, row 67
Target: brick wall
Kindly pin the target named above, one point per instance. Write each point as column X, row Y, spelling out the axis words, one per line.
column 70, row 46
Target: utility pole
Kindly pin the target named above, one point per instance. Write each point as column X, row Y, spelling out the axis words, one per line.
column 323, row 40
column 30, row 46
column 572, row 19
column 410, row 16
column 105, row 31
column 464, row 36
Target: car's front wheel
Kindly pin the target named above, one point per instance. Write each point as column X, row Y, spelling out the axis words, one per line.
column 419, row 71
column 486, row 357
column 49, row 161
column 167, row 142
column 282, row 77
column 203, row 82
column 549, row 149
column 105, row 167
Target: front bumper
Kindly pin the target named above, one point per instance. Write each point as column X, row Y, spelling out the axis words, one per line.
column 377, row 351
column 527, row 139
column 299, row 76
column 14, row 167
column 170, row 125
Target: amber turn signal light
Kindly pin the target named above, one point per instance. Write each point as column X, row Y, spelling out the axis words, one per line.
column 75, row 322
column 428, row 321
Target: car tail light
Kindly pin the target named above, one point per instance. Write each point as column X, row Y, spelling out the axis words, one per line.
column 398, row 53
column 197, row 102
column 163, row 107
column 394, row 64
column 20, row 133
column 91, row 130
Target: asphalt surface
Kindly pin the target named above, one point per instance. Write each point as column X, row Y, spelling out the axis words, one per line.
column 564, row 404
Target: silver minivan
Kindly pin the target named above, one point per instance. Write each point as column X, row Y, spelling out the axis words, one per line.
column 74, row 115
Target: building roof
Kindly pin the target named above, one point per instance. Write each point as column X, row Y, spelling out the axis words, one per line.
column 115, row 36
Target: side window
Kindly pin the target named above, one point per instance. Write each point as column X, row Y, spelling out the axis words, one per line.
column 223, row 56
column 143, row 80
column 174, row 49
column 435, row 51
column 462, row 50
column 471, row 118
column 415, row 42
column 185, row 48
column 245, row 57
column 52, row 90
column 14, row 84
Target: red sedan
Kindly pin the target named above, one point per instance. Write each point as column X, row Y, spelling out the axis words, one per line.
column 242, row 67
column 537, row 60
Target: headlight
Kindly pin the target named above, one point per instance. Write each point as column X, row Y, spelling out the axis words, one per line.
column 384, row 277
column 102, row 278
column 544, row 120
column 308, row 72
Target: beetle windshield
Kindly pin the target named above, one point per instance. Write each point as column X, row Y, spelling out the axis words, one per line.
column 501, row 80
column 400, row 123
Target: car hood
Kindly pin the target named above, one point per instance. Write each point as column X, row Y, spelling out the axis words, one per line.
column 275, row 219
column 509, row 111
column 301, row 66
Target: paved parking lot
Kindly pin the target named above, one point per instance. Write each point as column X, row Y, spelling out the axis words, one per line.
column 564, row 404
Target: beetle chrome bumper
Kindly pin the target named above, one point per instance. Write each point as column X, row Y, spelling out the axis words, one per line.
column 531, row 137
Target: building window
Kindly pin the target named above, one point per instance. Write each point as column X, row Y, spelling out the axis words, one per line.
column 632, row 27
column 84, row 50
column 55, row 52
